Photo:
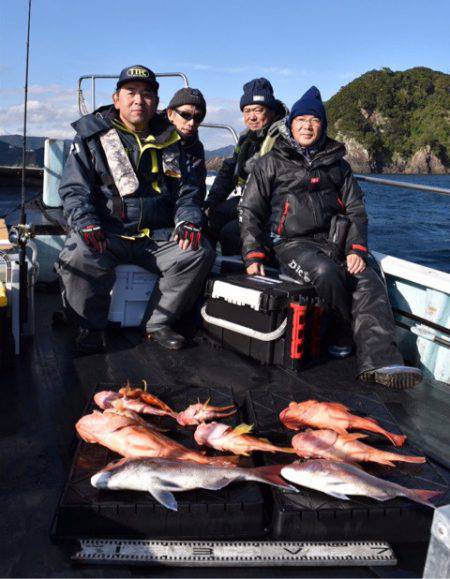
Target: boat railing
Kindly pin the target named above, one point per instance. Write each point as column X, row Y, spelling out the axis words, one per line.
column 82, row 108
column 402, row 184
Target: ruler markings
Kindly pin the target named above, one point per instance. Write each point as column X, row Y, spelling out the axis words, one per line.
column 224, row 553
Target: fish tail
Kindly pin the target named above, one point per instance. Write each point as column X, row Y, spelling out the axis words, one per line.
column 413, row 459
column 271, row 475
column 397, row 439
column 372, row 426
column 423, row 496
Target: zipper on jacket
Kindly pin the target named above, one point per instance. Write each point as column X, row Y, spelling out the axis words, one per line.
column 283, row 217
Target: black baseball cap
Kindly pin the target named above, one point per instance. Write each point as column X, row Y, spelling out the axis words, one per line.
column 140, row 73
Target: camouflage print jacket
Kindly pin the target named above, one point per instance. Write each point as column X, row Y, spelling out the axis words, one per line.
column 125, row 184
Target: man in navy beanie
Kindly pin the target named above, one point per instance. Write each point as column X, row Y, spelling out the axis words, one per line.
column 303, row 204
column 260, row 110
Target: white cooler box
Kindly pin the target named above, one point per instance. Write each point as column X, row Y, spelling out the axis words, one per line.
column 130, row 294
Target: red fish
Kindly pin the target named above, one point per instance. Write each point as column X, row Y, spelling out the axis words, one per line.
column 202, row 412
column 147, row 398
column 131, row 436
column 236, row 440
column 109, row 399
column 332, row 416
column 344, row 447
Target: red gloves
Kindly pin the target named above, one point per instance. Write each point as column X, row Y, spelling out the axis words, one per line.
column 191, row 232
column 94, row 237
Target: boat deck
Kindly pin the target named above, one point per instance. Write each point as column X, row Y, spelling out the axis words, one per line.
column 45, row 394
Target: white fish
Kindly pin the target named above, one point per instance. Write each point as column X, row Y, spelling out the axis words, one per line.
column 340, row 479
column 162, row 477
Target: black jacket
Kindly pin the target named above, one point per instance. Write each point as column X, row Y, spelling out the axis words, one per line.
column 90, row 196
column 195, row 159
column 286, row 197
column 236, row 169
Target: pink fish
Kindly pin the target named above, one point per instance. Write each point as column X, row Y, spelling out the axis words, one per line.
column 344, row 447
column 131, row 436
column 236, row 440
column 332, row 416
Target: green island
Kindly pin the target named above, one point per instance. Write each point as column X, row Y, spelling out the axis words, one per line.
column 394, row 122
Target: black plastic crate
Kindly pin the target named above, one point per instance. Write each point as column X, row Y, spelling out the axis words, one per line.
column 312, row 515
column 281, row 304
column 84, row 511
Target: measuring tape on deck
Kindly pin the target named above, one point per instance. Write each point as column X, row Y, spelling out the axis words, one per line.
column 236, row 553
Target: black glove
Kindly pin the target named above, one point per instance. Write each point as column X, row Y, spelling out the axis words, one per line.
column 94, row 237
column 254, row 257
column 191, row 232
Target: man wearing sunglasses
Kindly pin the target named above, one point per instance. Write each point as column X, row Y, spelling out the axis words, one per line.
column 125, row 186
column 186, row 112
column 260, row 110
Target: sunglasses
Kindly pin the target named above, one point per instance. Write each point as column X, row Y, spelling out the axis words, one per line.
column 196, row 117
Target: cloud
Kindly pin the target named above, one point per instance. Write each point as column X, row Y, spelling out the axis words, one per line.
column 281, row 71
column 49, row 116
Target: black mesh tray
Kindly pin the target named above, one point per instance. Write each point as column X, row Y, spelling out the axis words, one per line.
column 312, row 515
column 84, row 511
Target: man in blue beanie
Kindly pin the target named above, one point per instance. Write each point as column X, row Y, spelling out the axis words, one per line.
column 260, row 110
column 303, row 205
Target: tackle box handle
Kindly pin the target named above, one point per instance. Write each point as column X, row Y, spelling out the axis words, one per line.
column 243, row 330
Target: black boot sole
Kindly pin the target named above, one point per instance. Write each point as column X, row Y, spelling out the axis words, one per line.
column 400, row 381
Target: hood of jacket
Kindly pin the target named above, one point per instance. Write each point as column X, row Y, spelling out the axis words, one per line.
column 102, row 120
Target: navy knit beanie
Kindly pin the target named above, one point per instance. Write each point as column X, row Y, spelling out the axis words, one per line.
column 310, row 104
column 258, row 91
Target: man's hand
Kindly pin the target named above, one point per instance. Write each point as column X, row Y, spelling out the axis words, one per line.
column 255, row 269
column 94, row 237
column 188, row 236
column 355, row 264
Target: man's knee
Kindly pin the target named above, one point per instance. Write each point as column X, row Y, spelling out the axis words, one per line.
column 316, row 269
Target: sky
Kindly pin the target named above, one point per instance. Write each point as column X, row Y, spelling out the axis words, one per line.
column 219, row 45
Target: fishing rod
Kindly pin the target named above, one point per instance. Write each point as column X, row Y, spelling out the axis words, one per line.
column 21, row 233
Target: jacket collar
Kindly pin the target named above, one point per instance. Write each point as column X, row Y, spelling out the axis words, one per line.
column 330, row 152
column 106, row 117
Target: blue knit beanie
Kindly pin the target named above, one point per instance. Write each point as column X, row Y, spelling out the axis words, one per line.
column 258, row 91
column 310, row 104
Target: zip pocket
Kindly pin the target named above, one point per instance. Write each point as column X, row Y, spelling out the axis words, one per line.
column 283, row 217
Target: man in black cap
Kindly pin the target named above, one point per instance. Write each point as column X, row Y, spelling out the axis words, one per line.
column 129, row 197
column 186, row 111
column 260, row 110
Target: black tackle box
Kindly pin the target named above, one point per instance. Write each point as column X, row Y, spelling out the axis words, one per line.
column 87, row 512
column 315, row 516
column 266, row 318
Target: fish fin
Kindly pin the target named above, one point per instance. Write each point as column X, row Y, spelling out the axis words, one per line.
column 165, row 498
column 423, row 496
column 354, row 436
column 337, row 406
column 271, row 475
column 242, row 429
column 217, row 485
column 337, row 495
column 224, row 459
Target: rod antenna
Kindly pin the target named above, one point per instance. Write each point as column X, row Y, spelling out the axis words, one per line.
column 24, row 142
